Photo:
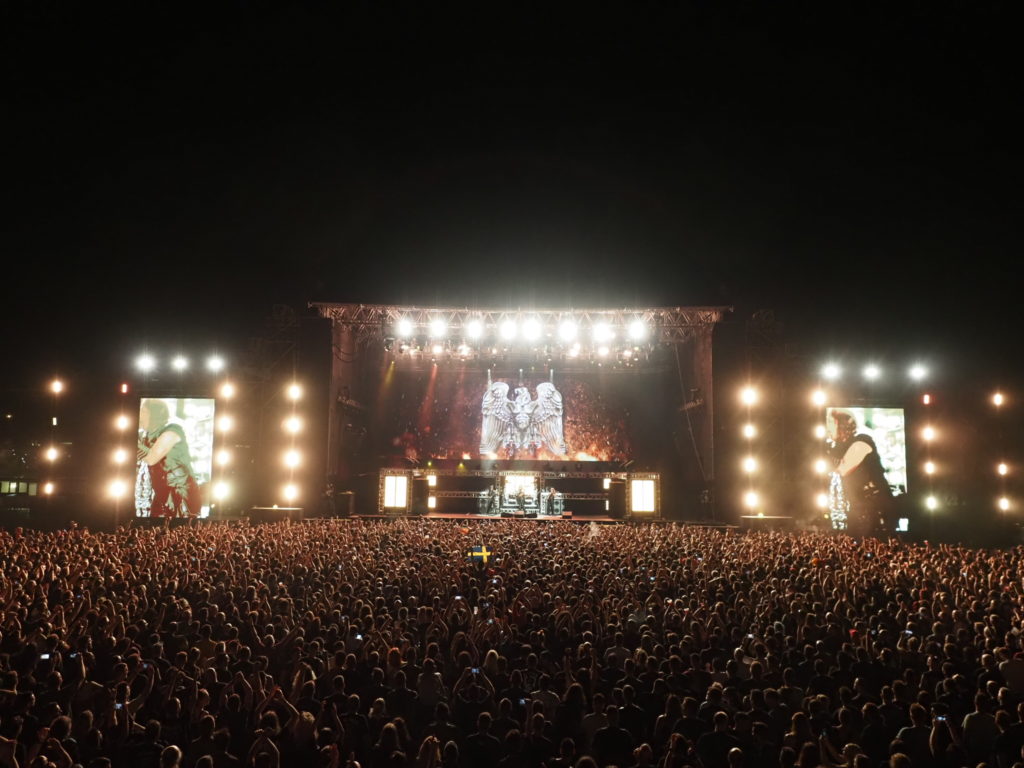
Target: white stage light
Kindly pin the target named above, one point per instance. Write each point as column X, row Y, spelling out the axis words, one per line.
column 574, row 350
column 749, row 431
column 509, row 329
column 929, row 467
column 221, row 491
column 932, row 503
column 404, row 327
column 121, row 422
column 998, row 399
column 290, row 492
column 51, row 454
column 474, row 329
column 603, row 333
column 603, row 351
column 215, row 363
column 292, row 459
column 831, row 371
column 821, row 500
column 117, row 488
column 928, row 433
column 431, row 502
column 918, row 372
column 748, row 396
column 227, row 390
column 48, row 489
column 179, row 363
column 223, row 457
column 750, row 464
column 567, row 330
column 872, row 372
column 532, row 329
column 438, row 328
column 225, row 423
column 750, row 498
column 637, row 330
column 820, row 466
column 56, row 386
column 1004, row 503
column 293, row 424
column 1002, row 469
column 145, row 363
column 294, row 392
column 818, row 397
column 120, row 456
column 437, row 349
column 820, row 432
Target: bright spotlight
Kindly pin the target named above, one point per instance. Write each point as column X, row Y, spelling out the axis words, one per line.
column 820, row 466
column 1004, row 503
column 404, row 327
column 929, row 467
column 290, row 492
column 437, row 349
column 120, row 456
column 145, row 363
column 117, row 488
column 221, row 491
column 431, row 502
column 820, row 432
column 215, row 363
column 227, row 390
column 928, row 433
column 574, row 350
column 831, row 371
column 292, row 458
column 1002, row 469
column 931, row 502
column 918, row 372
column 438, row 328
column 818, row 397
column 748, row 395
column 926, row 399
column 223, row 457
column 750, row 464
column 603, row 351
column 532, row 329
column 509, row 329
column 751, row 499
column 872, row 372
column 56, row 386
column 821, row 500
column 51, row 454
column 998, row 399
column 179, row 363
column 294, row 391
column 226, row 423
column 293, row 425
column 432, row 480
column 749, row 431
column 567, row 330
column 603, row 333
column 637, row 330
column 121, row 422
column 474, row 329
column 48, row 489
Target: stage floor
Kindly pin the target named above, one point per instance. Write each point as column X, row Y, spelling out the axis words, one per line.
column 538, row 519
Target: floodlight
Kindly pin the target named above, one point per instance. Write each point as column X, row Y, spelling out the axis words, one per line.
column 437, row 349
column 223, row 457
column 872, row 372
column 603, row 351
column 1002, row 469
column 431, row 502
column 750, row 464
column 48, row 488
column 51, row 454
column 750, row 498
column 474, row 329
column 215, row 363
column 431, row 480
column 292, row 459
column 117, row 488
column 748, row 395
column 931, row 502
column 820, row 466
column 821, row 500
column 831, row 371
column 918, row 372
column 603, row 333
column 293, row 425
column 404, row 327
column 749, row 431
column 567, row 330
column 928, row 433
column 226, row 423
column 56, row 386
column 124, row 388
column 532, row 329
column 464, row 350
column 998, row 399
column 926, row 399
column 438, row 328
column 637, row 330
column 179, row 363
column 290, row 492
column 227, row 390
column 145, row 363
column 294, row 391
column 509, row 330
column 820, row 432
column 1004, row 503
column 121, row 422
column 574, row 350
column 627, row 354
column 221, row 491
column 929, row 467
column 818, row 397
column 120, row 456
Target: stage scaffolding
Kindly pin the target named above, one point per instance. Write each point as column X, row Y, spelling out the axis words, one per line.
column 357, row 329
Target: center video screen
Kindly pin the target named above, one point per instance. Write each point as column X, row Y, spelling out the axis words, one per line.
column 468, row 415
column 855, row 433
column 174, row 457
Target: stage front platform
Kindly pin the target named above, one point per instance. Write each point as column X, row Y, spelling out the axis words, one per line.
column 495, row 518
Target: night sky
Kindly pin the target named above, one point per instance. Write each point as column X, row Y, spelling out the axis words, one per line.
column 173, row 170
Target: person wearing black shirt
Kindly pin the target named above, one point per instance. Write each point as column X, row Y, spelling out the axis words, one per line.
column 613, row 745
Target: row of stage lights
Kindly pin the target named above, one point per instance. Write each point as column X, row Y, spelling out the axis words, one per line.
column 147, row 363
column 872, row 372
column 531, row 330
column 749, row 397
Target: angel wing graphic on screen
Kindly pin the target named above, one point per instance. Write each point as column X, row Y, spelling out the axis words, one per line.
column 521, row 423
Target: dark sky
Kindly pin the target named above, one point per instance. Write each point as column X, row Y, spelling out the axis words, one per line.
column 172, row 170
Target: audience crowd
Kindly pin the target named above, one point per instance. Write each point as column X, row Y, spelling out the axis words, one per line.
column 382, row 644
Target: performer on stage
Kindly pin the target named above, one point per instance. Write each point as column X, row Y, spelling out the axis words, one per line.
column 863, row 478
column 164, row 455
column 521, row 500
column 549, row 502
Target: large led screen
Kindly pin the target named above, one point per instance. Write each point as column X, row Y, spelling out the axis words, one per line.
column 447, row 414
column 175, row 457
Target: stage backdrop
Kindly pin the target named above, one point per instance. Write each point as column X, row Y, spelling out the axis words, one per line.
column 177, row 434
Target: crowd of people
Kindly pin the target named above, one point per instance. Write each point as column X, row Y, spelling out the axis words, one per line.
column 382, row 644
